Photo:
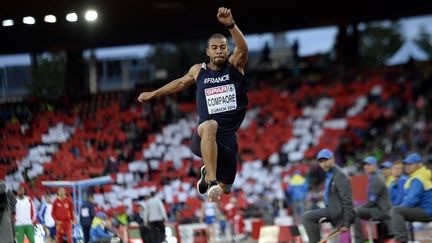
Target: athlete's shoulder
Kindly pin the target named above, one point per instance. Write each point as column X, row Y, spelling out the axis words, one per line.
column 195, row 69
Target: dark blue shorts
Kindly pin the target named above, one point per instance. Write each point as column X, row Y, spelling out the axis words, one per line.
column 226, row 158
column 210, row 219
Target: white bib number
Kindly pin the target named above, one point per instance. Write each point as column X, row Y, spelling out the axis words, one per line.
column 221, row 98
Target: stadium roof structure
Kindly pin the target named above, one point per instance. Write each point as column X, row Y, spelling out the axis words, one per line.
column 137, row 22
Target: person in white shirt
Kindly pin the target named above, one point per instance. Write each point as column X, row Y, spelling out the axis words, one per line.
column 209, row 213
column 156, row 217
column 25, row 217
column 46, row 219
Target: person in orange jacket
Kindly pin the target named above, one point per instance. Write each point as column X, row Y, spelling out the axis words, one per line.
column 63, row 215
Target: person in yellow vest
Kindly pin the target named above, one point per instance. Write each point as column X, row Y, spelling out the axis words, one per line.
column 98, row 230
column 417, row 202
column 386, row 171
column 298, row 189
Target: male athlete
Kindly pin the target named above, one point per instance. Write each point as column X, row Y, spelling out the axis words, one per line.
column 221, row 103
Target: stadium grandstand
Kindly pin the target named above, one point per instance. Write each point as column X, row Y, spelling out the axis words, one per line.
column 106, row 149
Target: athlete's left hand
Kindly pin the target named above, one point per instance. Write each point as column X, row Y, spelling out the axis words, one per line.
column 224, row 16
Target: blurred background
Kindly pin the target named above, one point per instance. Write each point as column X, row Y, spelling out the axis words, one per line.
column 355, row 79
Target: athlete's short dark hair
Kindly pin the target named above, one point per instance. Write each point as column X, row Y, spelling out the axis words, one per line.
column 215, row 36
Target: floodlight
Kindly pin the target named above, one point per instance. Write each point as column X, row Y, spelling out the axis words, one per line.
column 29, row 20
column 72, row 17
column 7, row 22
column 91, row 15
column 50, row 18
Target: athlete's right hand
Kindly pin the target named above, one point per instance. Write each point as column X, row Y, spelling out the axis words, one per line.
column 145, row 96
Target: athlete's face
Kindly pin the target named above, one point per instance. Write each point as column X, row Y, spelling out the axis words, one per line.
column 217, row 51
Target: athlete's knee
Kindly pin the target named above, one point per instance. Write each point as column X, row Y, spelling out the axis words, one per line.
column 208, row 127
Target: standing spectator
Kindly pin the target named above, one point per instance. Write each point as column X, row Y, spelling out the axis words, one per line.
column 7, row 207
column 417, row 202
column 46, row 219
column 25, row 217
column 156, row 216
column 138, row 217
column 209, row 214
column 339, row 208
column 397, row 186
column 86, row 217
column 378, row 205
column 63, row 215
column 298, row 189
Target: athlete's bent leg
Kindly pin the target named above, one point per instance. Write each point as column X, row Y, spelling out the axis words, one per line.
column 207, row 131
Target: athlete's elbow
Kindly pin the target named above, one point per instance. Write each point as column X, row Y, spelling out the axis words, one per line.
column 244, row 48
column 181, row 85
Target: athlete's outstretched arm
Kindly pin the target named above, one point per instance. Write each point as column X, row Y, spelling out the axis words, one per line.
column 174, row 86
column 240, row 54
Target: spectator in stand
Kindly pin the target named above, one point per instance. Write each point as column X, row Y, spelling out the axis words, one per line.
column 378, row 204
column 417, row 202
column 397, row 190
column 7, row 207
column 46, row 219
column 98, row 230
column 86, row 217
column 386, row 170
column 25, row 217
column 339, row 208
column 63, row 215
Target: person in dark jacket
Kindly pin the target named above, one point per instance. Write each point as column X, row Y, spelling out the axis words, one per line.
column 86, row 217
column 339, row 208
column 378, row 204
